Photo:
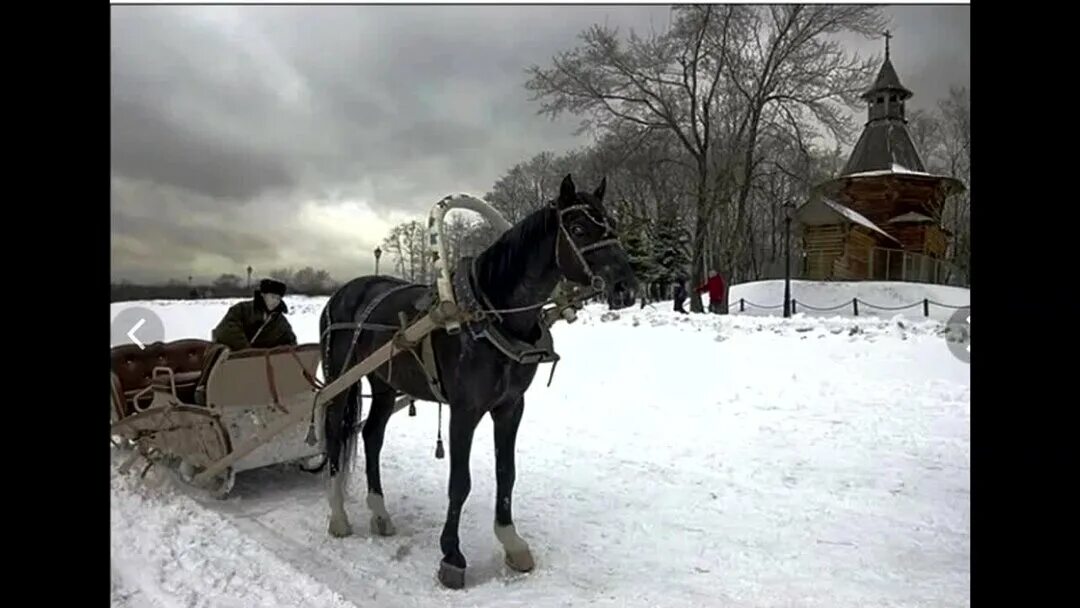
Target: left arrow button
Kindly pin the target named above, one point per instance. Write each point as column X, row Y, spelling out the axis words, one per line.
column 131, row 334
column 137, row 325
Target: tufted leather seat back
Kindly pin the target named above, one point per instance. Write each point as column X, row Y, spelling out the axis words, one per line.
column 133, row 367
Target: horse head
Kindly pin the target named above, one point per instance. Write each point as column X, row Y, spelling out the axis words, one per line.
column 588, row 250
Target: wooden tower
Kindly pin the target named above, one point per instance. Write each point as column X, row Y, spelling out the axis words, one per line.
column 881, row 218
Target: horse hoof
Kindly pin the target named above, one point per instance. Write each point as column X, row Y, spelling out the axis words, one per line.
column 382, row 526
column 521, row 561
column 340, row 528
column 451, row 576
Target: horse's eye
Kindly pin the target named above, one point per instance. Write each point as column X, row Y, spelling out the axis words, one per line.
column 578, row 230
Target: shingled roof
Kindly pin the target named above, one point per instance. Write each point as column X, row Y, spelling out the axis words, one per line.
column 887, row 81
column 885, row 142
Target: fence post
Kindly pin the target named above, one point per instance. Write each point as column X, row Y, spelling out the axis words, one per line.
column 792, row 305
column 926, row 307
column 855, row 305
column 742, row 305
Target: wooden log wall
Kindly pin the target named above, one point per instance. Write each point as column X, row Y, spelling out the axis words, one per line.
column 880, row 200
column 859, row 244
column 911, row 235
column 823, row 245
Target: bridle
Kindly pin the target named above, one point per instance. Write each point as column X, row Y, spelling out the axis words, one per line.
column 594, row 283
column 592, row 279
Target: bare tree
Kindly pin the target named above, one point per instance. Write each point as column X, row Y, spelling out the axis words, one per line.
column 393, row 247
column 792, row 81
column 227, row 282
column 311, row 281
column 956, row 153
column 721, row 77
column 668, row 82
column 284, row 275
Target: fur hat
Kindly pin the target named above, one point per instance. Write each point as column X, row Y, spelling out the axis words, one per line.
column 272, row 286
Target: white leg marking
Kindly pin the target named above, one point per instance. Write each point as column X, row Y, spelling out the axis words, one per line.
column 339, row 520
column 518, row 556
column 380, row 518
column 509, row 538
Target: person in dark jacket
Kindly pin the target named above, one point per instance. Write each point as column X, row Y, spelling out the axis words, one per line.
column 680, row 295
column 259, row 322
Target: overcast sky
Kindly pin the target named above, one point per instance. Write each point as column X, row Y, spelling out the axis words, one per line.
column 293, row 136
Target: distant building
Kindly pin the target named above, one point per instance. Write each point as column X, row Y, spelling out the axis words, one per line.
column 881, row 218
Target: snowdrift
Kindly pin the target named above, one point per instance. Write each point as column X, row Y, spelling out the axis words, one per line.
column 876, row 298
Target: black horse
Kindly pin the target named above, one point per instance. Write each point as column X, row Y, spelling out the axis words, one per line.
column 575, row 238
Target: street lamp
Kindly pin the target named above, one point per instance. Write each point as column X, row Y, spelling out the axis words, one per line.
column 378, row 253
column 789, row 213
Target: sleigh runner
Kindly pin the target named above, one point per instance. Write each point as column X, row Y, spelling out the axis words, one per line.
column 207, row 413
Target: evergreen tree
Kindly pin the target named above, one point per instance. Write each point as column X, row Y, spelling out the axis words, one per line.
column 670, row 254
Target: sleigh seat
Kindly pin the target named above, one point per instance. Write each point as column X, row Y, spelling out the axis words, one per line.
column 259, row 376
column 179, row 366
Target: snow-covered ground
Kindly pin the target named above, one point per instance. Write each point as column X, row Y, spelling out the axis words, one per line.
column 676, row 460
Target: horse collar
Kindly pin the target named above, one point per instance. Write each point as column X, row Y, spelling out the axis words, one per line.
column 470, row 297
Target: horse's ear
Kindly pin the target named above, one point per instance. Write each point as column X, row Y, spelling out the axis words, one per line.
column 599, row 194
column 567, row 191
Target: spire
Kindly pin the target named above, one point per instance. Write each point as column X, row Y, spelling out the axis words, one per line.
column 887, row 83
column 885, row 141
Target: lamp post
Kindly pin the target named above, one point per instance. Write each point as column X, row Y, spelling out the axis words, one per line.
column 378, row 253
column 789, row 212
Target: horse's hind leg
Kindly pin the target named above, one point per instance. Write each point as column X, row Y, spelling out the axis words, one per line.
column 339, row 443
column 382, row 406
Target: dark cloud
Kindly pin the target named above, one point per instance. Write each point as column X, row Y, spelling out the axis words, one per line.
column 147, row 145
column 244, row 133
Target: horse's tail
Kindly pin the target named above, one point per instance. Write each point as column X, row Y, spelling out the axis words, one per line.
column 341, row 419
column 324, row 338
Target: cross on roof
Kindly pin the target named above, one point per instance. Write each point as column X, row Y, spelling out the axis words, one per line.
column 887, row 36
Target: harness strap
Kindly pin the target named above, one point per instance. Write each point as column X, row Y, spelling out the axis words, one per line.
column 261, row 328
column 474, row 280
column 271, row 383
column 364, row 314
column 309, row 376
column 431, row 369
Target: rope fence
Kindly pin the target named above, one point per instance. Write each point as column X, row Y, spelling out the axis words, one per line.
column 853, row 304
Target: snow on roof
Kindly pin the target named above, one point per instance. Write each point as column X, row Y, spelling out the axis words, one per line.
column 895, row 170
column 898, row 168
column 856, row 217
column 911, row 216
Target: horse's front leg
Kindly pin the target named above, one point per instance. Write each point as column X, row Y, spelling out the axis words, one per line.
column 506, row 419
column 463, row 421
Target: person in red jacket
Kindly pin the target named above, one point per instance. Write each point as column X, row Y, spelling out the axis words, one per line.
column 717, row 291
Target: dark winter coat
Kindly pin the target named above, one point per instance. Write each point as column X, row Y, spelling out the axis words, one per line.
column 247, row 325
column 680, row 292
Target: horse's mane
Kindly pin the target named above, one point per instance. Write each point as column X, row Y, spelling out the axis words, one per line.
column 509, row 255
